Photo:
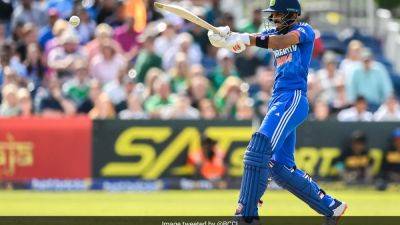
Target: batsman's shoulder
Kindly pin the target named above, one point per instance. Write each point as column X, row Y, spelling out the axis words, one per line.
column 269, row 31
column 305, row 28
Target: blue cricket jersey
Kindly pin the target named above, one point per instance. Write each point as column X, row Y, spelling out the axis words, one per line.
column 292, row 63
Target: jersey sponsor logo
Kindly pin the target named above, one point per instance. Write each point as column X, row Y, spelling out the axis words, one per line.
column 281, row 52
column 284, row 56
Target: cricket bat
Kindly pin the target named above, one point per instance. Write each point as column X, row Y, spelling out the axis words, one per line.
column 184, row 13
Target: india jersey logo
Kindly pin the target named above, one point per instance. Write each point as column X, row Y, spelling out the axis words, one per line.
column 272, row 2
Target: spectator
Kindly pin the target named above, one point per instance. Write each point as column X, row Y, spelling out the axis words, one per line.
column 61, row 58
column 227, row 19
column 103, row 33
column 29, row 36
column 255, row 25
column 209, row 160
column 2, row 32
column 77, row 88
column 117, row 18
column 391, row 162
column 127, row 37
column 25, row 102
column 28, row 11
column 34, row 64
column 180, row 109
column 180, row 74
column 199, row 34
column 226, row 67
column 51, row 102
column 94, row 93
column 7, row 59
column 390, row 111
column 9, row 103
column 197, row 70
column 146, row 58
column 184, row 43
column 213, row 12
column 106, row 9
column 320, row 111
column 356, row 113
column 103, row 108
column 86, row 27
column 352, row 60
column 357, row 164
column 207, row 109
column 161, row 98
column 341, row 100
column 10, row 77
column 227, row 97
column 65, row 7
column 135, row 110
column 199, row 89
column 106, row 64
column 46, row 32
column 244, row 108
column 261, row 90
column 328, row 77
column 247, row 63
column 371, row 80
column 151, row 76
column 152, row 13
column 58, row 29
column 6, row 10
column 119, row 89
column 165, row 41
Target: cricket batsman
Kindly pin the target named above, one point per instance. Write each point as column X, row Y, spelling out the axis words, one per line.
column 270, row 153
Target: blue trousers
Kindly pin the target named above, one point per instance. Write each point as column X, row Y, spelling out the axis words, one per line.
column 286, row 111
column 274, row 143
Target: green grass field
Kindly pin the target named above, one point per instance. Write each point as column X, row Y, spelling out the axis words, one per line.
column 168, row 203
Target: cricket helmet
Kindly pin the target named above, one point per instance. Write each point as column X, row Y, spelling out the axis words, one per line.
column 284, row 6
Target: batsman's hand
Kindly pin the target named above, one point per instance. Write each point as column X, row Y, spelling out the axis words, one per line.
column 219, row 39
column 237, row 42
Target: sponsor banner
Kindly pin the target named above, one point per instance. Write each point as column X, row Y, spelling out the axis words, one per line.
column 117, row 185
column 45, row 148
column 159, row 149
column 60, row 185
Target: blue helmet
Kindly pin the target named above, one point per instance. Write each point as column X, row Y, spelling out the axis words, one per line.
column 284, row 6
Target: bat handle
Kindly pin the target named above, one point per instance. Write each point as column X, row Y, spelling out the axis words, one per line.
column 216, row 31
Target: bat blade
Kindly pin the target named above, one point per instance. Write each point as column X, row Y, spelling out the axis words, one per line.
column 184, row 13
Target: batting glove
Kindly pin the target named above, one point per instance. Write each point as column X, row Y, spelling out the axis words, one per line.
column 219, row 39
column 237, row 42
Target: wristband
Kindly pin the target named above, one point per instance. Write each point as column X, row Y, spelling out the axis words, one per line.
column 262, row 41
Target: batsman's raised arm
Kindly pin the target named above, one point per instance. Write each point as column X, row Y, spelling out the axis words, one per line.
column 237, row 42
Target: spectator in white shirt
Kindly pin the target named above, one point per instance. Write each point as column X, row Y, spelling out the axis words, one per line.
column 356, row 113
column 134, row 110
column 352, row 60
column 61, row 59
column 184, row 43
column 166, row 40
column 328, row 77
column 106, row 65
column 390, row 111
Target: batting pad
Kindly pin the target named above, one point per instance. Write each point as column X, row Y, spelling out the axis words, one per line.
column 300, row 184
column 255, row 175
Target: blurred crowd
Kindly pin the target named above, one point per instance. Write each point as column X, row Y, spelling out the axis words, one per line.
column 128, row 63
